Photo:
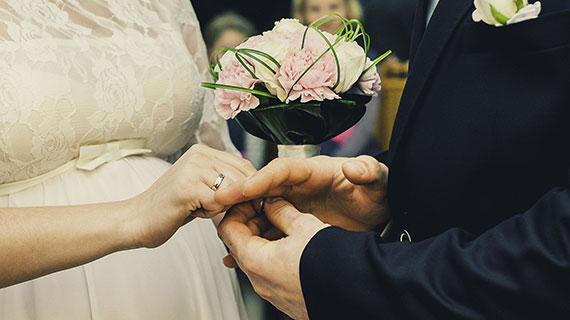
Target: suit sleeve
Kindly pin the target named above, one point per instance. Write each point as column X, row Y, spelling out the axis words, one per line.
column 383, row 157
column 520, row 269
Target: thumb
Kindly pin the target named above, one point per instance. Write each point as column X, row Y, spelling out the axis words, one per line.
column 285, row 217
column 365, row 170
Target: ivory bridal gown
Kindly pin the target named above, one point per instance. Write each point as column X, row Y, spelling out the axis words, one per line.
column 94, row 96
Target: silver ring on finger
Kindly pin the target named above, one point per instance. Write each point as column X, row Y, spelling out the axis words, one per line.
column 260, row 211
column 218, row 182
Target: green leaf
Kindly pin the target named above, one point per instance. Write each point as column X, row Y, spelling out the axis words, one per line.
column 228, row 87
column 243, row 63
column 376, row 61
column 329, row 18
column 303, row 123
column 213, row 73
column 252, row 53
column 502, row 19
column 261, row 53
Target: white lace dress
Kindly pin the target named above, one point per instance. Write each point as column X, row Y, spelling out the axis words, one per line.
column 76, row 73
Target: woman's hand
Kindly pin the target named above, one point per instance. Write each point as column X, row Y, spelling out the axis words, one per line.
column 184, row 192
column 36, row 241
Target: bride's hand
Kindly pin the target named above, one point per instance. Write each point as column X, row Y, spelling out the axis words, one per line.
column 185, row 191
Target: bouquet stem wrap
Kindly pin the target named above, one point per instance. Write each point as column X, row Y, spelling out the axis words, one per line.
column 298, row 151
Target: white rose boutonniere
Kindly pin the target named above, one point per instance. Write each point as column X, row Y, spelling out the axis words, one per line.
column 504, row 12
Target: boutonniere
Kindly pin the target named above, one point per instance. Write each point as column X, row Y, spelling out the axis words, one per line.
column 503, row 12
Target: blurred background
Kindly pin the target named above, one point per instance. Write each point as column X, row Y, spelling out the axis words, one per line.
column 226, row 23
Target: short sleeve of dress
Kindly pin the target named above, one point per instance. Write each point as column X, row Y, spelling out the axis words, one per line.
column 213, row 129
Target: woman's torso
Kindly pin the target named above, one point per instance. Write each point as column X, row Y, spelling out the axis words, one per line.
column 74, row 73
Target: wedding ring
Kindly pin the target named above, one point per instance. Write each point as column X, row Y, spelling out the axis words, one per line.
column 261, row 205
column 218, row 182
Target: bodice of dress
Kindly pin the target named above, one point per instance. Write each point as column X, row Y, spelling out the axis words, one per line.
column 75, row 73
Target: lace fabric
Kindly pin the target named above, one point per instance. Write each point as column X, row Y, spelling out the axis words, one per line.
column 75, row 73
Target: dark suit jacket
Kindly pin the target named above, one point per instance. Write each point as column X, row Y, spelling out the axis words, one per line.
column 479, row 176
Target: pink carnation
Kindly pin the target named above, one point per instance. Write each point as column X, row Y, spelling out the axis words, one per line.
column 315, row 84
column 231, row 102
column 369, row 82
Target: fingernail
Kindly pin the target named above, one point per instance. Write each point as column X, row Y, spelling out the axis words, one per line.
column 359, row 167
column 362, row 168
column 273, row 200
column 198, row 214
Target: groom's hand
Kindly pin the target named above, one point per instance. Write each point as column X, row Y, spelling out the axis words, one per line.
column 346, row 192
column 271, row 266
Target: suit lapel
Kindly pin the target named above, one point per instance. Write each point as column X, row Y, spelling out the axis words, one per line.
column 430, row 47
column 419, row 27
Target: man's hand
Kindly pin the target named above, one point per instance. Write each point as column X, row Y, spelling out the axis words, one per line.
column 346, row 192
column 271, row 266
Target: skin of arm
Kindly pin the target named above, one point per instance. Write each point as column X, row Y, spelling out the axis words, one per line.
column 36, row 241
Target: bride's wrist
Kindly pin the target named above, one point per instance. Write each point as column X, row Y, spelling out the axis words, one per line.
column 126, row 227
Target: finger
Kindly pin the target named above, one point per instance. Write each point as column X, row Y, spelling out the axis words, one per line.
column 206, row 193
column 242, row 165
column 257, row 203
column 282, row 214
column 278, row 176
column 365, row 170
column 273, row 180
column 237, row 236
column 285, row 217
column 259, row 225
column 209, row 176
column 187, row 220
column 202, row 203
column 206, row 153
column 205, row 204
column 231, row 194
column 241, row 213
column 229, row 262
column 269, row 181
column 273, row 234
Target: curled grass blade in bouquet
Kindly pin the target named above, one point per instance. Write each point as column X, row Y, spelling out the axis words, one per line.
column 296, row 84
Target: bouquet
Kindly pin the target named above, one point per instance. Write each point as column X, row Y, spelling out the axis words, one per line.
column 296, row 85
